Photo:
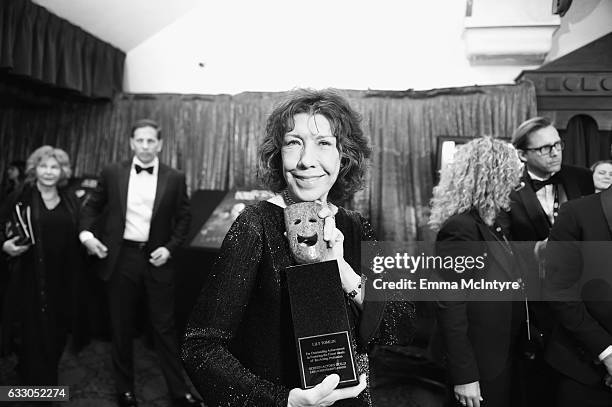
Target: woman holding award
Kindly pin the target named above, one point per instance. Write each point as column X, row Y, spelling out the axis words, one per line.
column 239, row 346
column 39, row 235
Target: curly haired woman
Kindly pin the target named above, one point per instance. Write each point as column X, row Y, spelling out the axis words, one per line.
column 479, row 337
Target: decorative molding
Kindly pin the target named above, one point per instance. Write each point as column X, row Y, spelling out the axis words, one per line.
column 489, row 43
column 571, row 83
column 517, row 32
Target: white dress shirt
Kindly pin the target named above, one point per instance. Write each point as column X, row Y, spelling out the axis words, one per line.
column 607, row 352
column 546, row 196
column 140, row 198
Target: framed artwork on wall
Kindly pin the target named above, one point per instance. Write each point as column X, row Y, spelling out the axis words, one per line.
column 213, row 231
column 445, row 150
column 446, row 147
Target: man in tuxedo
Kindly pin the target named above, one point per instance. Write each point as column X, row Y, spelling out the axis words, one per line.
column 545, row 185
column 578, row 285
column 140, row 214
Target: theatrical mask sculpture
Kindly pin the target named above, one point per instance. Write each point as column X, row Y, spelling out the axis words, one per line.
column 305, row 232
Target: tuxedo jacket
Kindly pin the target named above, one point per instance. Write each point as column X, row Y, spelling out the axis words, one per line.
column 104, row 213
column 527, row 221
column 477, row 335
column 578, row 285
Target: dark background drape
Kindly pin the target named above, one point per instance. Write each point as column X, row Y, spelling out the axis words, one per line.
column 584, row 142
column 214, row 139
column 43, row 56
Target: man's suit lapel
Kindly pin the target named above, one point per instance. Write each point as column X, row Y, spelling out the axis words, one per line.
column 532, row 206
column 570, row 185
column 123, row 183
column 606, row 205
column 162, row 182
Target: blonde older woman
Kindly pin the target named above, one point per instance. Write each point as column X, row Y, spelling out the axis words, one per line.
column 36, row 310
column 479, row 337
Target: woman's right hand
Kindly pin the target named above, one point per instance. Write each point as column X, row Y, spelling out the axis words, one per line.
column 9, row 247
column 468, row 394
column 325, row 393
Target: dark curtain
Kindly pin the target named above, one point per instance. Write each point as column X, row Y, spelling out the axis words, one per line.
column 214, row 139
column 38, row 48
column 404, row 136
column 584, row 142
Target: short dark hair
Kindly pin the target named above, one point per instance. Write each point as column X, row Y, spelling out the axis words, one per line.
column 345, row 124
column 19, row 164
column 520, row 137
column 598, row 163
column 146, row 123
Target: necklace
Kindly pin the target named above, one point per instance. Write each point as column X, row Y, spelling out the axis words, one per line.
column 288, row 199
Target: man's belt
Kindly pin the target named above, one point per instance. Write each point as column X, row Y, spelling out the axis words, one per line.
column 134, row 244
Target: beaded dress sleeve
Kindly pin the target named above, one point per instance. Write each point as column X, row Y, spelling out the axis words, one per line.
column 397, row 323
column 218, row 375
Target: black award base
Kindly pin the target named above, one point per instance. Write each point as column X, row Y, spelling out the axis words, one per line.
column 320, row 323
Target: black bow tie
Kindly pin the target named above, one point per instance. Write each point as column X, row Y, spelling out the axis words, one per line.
column 537, row 184
column 139, row 169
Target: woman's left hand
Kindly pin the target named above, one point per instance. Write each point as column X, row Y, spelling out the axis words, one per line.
column 12, row 249
column 335, row 241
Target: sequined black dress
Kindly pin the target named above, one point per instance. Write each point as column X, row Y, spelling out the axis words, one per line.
column 239, row 348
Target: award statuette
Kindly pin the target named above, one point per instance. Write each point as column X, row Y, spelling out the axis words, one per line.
column 320, row 320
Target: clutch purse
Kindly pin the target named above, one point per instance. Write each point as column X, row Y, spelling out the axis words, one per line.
column 20, row 224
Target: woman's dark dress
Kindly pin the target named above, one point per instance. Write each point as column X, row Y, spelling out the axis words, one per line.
column 239, row 348
column 36, row 317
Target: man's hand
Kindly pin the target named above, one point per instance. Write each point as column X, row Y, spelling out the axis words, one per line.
column 608, row 381
column 96, row 248
column 325, row 393
column 159, row 256
column 539, row 249
column 12, row 249
column 607, row 361
column 468, row 394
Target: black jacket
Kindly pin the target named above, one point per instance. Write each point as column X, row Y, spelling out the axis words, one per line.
column 528, row 222
column 477, row 335
column 578, row 281
column 104, row 213
column 69, row 303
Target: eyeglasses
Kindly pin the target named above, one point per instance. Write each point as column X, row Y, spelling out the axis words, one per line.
column 547, row 149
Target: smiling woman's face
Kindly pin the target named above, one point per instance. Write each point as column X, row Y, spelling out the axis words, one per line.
column 48, row 172
column 311, row 160
column 602, row 176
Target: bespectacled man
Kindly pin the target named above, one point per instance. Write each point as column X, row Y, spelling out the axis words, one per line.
column 545, row 185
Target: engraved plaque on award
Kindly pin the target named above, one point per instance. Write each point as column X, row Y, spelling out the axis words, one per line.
column 318, row 308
